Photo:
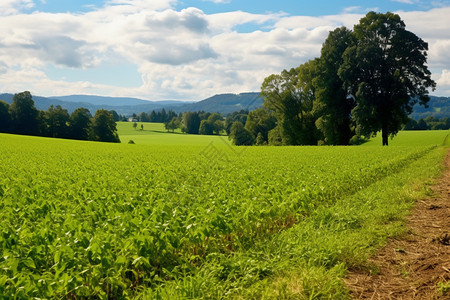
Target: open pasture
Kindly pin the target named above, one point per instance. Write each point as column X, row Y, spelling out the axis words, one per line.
column 87, row 219
column 155, row 134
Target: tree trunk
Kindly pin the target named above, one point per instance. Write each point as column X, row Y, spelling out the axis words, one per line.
column 385, row 136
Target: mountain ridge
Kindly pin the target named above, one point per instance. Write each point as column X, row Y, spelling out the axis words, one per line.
column 111, row 101
column 223, row 103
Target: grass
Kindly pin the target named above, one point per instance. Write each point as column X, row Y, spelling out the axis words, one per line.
column 310, row 259
column 444, row 288
column 205, row 220
column 155, row 134
column 413, row 138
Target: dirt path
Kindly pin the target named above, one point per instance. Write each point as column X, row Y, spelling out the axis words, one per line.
column 411, row 266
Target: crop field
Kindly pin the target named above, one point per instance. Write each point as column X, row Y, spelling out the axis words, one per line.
column 197, row 218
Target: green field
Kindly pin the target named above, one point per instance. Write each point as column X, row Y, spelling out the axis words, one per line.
column 179, row 216
column 155, row 134
column 414, row 138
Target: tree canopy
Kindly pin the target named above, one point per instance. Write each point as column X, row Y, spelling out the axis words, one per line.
column 4, row 116
column 191, row 122
column 240, row 136
column 57, row 122
column 365, row 80
column 21, row 117
column 386, row 71
column 333, row 106
column 104, row 127
column 290, row 96
column 23, row 114
column 80, row 122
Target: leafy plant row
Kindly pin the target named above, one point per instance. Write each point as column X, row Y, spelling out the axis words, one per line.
column 86, row 219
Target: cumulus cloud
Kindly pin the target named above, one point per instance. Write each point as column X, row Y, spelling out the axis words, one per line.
column 61, row 50
column 179, row 53
column 168, row 37
column 224, row 22
column 9, row 7
column 443, row 82
column 185, row 54
column 191, row 19
column 37, row 38
column 3, row 68
column 332, row 21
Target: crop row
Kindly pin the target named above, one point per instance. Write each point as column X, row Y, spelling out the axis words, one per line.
column 91, row 219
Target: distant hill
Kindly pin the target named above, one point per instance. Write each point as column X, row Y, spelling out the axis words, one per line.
column 222, row 103
column 112, row 101
column 43, row 103
column 439, row 107
column 225, row 103
column 93, row 103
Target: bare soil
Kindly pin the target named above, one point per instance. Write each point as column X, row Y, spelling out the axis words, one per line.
column 412, row 265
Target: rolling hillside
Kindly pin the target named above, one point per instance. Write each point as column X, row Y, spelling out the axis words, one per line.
column 438, row 107
column 223, row 103
column 123, row 106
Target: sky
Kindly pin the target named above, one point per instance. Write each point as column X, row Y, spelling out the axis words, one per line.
column 186, row 49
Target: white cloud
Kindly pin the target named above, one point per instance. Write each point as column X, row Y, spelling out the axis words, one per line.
column 433, row 24
column 443, row 82
column 3, row 68
column 225, row 22
column 138, row 5
column 9, row 7
column 359, row 9
column 332, row 21
column 218, row 1
column 406, row 1
column 440, row 3
column 185, row 54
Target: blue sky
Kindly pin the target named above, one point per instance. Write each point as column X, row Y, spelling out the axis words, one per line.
column 185, row 49
column 292, row 7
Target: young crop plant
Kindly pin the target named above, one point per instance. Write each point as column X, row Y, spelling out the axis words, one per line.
column 94, row 220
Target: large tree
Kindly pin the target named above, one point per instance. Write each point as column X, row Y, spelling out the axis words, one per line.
column 103, row 127
column 259, row 123
column 240, row 116
column 240, row 136
column 290, row 95
column 4, row 116
column 206, row 127
column 191, row 122
column 173, row 124
column 57, row 120
column 332, row 105
column 386, row 72
column 24, row 115
column 80, row 122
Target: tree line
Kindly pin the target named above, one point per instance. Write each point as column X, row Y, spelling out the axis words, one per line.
column 161, row 116
column 365, row 81
column 22, row 117
column 201, row 122
column 429, row 123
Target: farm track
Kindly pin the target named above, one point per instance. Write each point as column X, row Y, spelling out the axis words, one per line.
column 412, row 265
